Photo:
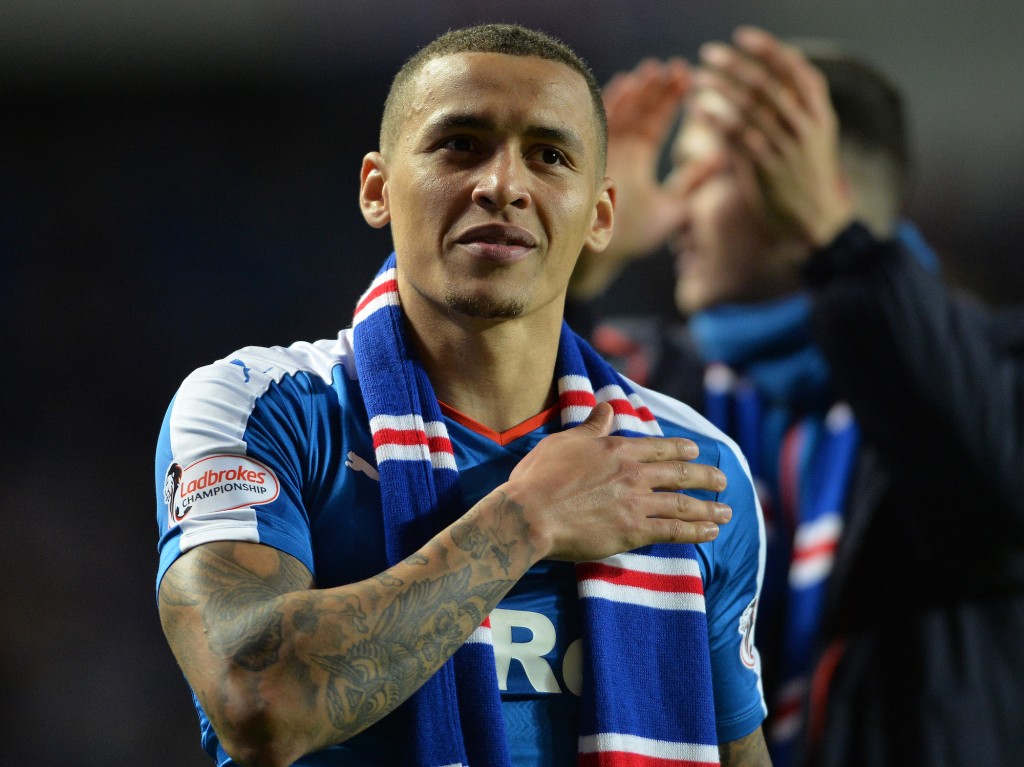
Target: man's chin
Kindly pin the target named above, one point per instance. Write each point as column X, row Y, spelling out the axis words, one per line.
column 485, row 307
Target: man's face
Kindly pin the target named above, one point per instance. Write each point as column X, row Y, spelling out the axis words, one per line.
column 492, row 186
column 726, row 252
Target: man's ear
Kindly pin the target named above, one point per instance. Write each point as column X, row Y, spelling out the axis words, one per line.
column 373, row 191
column 600, row 233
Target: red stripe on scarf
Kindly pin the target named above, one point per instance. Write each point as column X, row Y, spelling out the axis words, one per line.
column 411, row 437
column 440, row 445
column 826, row 547
column 399, row 437
column 644, row 414
column 679, row 584
column 628, row 759
column 389, row 286
column 625, row 407
column 576, row 398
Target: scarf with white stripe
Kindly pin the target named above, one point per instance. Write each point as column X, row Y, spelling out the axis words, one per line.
column 802, row 452
column 647, row 680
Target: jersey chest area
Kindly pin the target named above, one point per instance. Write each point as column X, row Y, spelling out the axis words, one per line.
column 535, row 628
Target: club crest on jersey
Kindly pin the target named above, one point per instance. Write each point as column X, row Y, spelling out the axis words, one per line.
column 747, row 652
column 172, row 481
column 217, row 483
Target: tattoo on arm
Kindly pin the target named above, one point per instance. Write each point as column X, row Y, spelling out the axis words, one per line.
column 416, row 633
column 242, row 611
column 356, row 653
column 352, row 654
column 387, row 579
column 499, row 540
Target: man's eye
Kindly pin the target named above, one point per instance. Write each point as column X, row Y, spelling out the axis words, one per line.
column 552, row 157
column 459, row 144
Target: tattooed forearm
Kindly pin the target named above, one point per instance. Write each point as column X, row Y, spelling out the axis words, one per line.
column 305, row 618
column 267, row 652
column 505, row 532
column 417, row 632
column 363, row 684
column 387, row 579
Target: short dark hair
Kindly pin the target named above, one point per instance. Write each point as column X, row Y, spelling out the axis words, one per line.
column 869, row 108
column 509, row 39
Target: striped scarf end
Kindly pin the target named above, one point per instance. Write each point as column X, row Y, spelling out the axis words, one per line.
column 619, row 750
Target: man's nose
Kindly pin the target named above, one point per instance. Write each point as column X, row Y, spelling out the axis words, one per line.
column 504, row 181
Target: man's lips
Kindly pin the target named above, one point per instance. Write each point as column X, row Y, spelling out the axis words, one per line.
column 498, row 242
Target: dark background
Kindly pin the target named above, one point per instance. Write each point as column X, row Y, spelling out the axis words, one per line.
column 179, row 178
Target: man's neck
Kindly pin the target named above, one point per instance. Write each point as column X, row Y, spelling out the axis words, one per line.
column 499, row 373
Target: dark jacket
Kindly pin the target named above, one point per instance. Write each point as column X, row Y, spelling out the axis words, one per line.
column 921, row 639
column 926, row 604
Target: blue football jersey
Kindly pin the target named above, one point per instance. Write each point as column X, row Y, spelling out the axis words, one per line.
column 272, row 446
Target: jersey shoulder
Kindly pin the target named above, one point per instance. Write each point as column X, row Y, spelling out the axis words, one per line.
column 247, row 432
column 215, row 401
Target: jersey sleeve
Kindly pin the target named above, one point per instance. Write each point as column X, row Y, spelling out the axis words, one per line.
column 230, row 458
column 732, row 590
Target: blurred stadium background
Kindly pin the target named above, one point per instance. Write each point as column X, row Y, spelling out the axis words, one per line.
column 179, row 179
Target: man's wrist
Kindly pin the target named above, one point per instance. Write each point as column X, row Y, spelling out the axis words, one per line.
column 835, row 215
column 827, row 230
column 851, row 248
column 508, row 515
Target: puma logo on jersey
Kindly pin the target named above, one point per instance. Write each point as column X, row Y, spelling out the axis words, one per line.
column 245, row 370
column 356, row 463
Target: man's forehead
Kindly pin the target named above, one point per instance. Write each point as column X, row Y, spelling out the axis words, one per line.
column 483, row 70
column 466, row 61
column 503, row 86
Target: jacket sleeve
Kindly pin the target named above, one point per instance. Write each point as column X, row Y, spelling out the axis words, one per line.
column 932, row 387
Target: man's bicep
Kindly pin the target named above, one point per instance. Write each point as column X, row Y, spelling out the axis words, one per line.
column 748, row 751
column 217, row 603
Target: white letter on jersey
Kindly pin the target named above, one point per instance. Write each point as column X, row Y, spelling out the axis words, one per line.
column 572, row 668
column 529, row 654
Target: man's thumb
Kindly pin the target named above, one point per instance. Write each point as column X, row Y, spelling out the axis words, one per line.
column 600, row 419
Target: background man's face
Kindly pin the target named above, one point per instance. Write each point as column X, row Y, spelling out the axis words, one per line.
column 726, row 252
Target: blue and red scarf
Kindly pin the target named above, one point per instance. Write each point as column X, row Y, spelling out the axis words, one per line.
column 647, row 682
column 769, row 388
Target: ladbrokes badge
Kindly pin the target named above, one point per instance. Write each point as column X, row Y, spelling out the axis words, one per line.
column 217, row 483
